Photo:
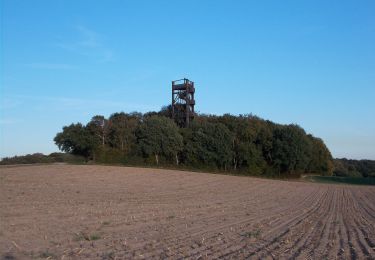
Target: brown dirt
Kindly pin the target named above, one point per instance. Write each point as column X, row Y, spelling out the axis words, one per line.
column 99, row 212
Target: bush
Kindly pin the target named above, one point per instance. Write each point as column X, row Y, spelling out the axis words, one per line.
column 41, row 158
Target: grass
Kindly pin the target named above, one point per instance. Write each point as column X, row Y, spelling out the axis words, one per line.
column 47, row 254
column 94, row 237
column 83, row 236
column 341, row 180
column 108, row 255
column 254, row 234
column 106, row 223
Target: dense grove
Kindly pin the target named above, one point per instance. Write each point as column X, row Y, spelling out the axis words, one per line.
column 354, row 168
column 242, row 144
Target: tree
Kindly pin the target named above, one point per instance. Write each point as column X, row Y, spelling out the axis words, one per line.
column 122, row 130
column 244, row 143
column 166, row 111
column 247, row 154
column 159, row 136
column 208, row 143
column 354, row 168
column 99, row 127
column 321, row 160
column 75, row 139
column 291, row 150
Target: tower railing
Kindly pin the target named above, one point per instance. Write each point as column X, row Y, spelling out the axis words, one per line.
column 183, row 101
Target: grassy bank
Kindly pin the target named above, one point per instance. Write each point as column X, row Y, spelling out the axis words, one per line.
column 341, row 180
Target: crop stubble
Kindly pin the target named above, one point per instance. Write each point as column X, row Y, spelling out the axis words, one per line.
column 105, row 212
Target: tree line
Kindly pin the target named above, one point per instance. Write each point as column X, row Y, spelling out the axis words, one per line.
column 354, row 168
column 244, row 144
column 41, row 158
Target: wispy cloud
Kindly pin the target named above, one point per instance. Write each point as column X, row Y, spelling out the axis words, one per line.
column 72, row 104
column 88, row 104
column 90, row 38
column 89, row 44
column 50, row 66
column 9, row 121
column 9, row 103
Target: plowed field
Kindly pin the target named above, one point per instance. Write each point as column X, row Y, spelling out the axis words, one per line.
column 99, row 212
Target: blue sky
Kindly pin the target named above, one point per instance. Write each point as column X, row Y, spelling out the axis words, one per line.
column 306, row 62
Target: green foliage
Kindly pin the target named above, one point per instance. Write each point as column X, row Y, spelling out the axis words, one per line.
column 67, row 158
column 321, row 158
column 208, row 144
column 247, row 153
column 122, row 131
column 98, row 130
column 159, row 136
column 109, row 155
column 242, row 144
column 27, row 159
column 76, row 139
column 41, row 158
column 166, row 111
column 291, row 149
column 342, row 180
column 354, row 168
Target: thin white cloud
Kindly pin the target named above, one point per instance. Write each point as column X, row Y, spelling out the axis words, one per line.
column 50, row 66
column 9, row 121
column 9, row 103
column 89, row 44
column 76, row 104
column 91, row 104
column 90, row 38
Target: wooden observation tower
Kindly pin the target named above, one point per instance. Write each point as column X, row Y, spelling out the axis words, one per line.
column 183, row 101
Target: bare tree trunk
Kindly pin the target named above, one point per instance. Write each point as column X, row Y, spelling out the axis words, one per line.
column 177, row 160
column 102, row 137
column 157, row 159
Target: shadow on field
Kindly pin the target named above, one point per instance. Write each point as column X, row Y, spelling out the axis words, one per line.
column 340, row 180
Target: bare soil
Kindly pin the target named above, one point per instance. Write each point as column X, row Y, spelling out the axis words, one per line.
column 102, row 212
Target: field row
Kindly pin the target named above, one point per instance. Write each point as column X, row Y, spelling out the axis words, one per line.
column 72, row 212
